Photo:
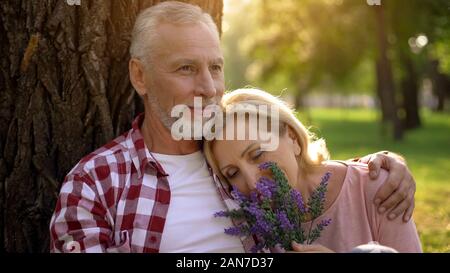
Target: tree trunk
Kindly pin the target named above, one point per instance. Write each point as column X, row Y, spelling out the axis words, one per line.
column 385, row 81
column 381, row 94
column 410, row 92
column 441, row 85
column 64, row 91
column 303, row 85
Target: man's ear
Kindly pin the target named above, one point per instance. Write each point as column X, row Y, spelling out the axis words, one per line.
column 137, row 76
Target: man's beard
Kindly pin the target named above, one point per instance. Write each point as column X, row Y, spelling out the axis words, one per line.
column 165, row 116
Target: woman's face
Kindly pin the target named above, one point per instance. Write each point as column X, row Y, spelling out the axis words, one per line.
column 238, row 160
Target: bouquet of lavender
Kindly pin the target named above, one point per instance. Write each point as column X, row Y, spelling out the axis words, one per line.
column 274, row 212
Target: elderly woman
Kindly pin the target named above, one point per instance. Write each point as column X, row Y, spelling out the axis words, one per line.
column 304, row 160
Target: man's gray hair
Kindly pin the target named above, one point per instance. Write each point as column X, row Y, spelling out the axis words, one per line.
column 173, row 12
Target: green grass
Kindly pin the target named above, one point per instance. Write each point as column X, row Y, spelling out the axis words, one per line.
column 357, row 132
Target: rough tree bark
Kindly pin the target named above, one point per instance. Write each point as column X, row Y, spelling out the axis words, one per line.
column 64, row 91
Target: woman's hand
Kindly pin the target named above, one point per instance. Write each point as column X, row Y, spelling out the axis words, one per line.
column 396, row 195
column 300, row 248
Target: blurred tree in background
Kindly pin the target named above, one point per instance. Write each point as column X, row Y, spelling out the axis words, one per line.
column 344, row 46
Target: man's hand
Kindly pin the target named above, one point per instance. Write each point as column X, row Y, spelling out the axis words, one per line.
column 396, row 195
column 310, row 248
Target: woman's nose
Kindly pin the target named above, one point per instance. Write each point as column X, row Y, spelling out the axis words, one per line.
column 251, row 177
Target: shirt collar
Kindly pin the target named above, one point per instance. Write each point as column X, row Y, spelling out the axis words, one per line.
column 140, row 155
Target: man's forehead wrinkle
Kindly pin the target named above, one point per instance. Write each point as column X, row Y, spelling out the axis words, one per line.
column 189, row 58
column 171, row 43
column 182, row 49
column 181, row 29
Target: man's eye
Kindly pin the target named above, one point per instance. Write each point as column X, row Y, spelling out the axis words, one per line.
column 217, row 68
column 186, row 68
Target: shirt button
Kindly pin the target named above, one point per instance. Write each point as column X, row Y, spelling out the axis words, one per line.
column 153, row 239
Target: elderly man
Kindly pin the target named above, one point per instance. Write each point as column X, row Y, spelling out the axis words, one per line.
column 147, row 192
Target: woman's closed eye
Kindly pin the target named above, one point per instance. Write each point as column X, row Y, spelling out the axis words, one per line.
column 231, row 173
column 256, row 154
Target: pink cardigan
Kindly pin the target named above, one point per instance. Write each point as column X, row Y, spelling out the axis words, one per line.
column 355, row 221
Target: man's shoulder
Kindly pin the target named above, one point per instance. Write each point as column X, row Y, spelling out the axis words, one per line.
column 115, row 146
column 113, row 156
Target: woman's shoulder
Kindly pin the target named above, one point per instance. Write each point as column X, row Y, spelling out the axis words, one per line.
column 358, row 177
column 338, row 170
column 396, row 234
column 351, row 181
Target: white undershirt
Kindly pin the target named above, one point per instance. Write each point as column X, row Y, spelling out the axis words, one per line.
column 190, row 223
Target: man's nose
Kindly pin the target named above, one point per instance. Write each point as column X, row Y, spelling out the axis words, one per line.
column 205, row 85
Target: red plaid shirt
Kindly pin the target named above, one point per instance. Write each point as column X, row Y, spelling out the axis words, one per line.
column 106, row 205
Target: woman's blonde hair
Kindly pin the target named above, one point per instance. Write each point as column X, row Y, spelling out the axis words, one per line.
column 313, row 150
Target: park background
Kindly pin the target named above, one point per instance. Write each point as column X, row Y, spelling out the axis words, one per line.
column 366, row 77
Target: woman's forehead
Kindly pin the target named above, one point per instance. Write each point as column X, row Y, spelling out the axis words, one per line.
column 246, row 128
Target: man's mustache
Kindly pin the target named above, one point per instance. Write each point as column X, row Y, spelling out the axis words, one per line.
column 206, row 104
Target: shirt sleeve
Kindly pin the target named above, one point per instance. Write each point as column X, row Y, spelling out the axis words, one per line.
column 399, row 235
column 396, row 234
column 79, row 223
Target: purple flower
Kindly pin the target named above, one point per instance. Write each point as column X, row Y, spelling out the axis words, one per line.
column 262, row 226
column 254, row 197
column 221, row 214
column 265, row 165
column 273, row 212
column 237, row 195
column 325, row 179
column 323, row 223
column 234, row 231
column 254, row 210
column 266, row 187
column 284, row 221
column 298, row 199
column 321, row 195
